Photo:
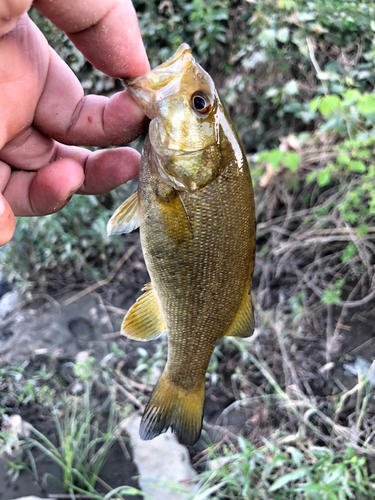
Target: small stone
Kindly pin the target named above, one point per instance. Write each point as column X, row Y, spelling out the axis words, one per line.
column 9, row 302
column 41, row 352
column 31, row 498
column 82, row 356
column 159, row 462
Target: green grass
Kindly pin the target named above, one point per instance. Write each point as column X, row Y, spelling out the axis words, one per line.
column 295, row 471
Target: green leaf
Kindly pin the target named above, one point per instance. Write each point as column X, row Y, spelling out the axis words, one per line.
column 283, row 480
column 324, row 177
column 349, row 252
column 291, row 160
column 343, row 159
column 363, row 153
column 351, row 96
column 291, row 88
column 282, row 35
column 271, row 92
column 357, row 166
column 314, row 104
column 366, row 104
column 311, row 176
column 362, row 230
column 286, row 4
column 296, row 455
column 274, row 157
column 332, row 295
column 329, row 103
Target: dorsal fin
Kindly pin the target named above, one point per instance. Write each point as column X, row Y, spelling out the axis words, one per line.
column 243, row 323
column 144, row 321
column 126, row 217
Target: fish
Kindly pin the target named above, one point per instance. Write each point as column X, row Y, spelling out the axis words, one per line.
column 195, row 210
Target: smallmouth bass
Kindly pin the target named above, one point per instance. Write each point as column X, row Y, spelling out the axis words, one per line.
column 195, row 209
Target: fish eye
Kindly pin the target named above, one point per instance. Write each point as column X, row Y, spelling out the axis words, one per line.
column 201, row 103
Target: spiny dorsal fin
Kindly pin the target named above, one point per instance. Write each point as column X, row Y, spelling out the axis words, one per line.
column 126, row 217
column 243, row 323
column 143, row 320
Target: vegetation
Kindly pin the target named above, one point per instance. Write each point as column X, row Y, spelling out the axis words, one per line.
column 79, row 444
column 298, row 79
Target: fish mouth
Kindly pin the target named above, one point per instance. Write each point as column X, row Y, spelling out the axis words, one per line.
column 160, row 82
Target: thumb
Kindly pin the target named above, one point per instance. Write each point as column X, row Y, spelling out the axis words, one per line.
column 7, row 221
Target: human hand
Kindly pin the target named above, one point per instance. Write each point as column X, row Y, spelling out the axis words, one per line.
column 44, row 115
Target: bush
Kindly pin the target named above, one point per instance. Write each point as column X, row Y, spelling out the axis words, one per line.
column 72, row 242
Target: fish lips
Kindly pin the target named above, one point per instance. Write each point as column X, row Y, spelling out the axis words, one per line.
column 160, row 82
column 149, row 99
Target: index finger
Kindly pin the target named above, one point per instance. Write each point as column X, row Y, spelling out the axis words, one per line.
column 105, row 31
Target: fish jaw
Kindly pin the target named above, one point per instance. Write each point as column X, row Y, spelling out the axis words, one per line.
column 160, row 82
column 186, row 152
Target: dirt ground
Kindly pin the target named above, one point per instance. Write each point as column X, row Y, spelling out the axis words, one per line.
column 62, row 325
column 88, row 319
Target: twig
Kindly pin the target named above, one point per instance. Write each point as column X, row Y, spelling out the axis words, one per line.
column 48, row 298
column 129, row 396
column 358, row 303
column 129, row 381
column 358, row 387
column 302, row 241
column 315, row 63
column 111, row 335
column 65, row 496
column 124, row 449
column 361, row 346
column 295, row 215
column 116, row 310
column 100, row 283
column 103, row 483
column 288, row 367
column 329, row 335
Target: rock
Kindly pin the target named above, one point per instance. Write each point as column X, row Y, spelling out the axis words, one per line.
column 71, row 328
column 161, row 460
column 31, row 498
column 9, row 302
column 12, row 429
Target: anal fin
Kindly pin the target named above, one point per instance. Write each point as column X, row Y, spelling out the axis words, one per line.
column 143, row 321
column 126, row 217
column 243, row 323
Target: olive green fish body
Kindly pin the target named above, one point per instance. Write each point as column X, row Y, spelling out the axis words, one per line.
column 199, row 253
column 195, row 209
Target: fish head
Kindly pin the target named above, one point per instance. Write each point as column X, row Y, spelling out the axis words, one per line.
column 182, row 102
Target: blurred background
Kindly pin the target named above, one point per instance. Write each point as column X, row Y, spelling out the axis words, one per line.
column 297, row 78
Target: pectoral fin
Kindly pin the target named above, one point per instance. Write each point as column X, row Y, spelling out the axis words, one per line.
column 126, row 217
column 243, row 323
column 144, row 321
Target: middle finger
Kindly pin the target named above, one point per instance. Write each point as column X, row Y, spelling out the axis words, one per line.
column 32, row 150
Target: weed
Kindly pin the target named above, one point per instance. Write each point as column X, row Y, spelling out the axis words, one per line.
column 81, row 447
column 285, row 471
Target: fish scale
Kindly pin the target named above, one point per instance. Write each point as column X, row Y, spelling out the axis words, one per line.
column 195, row 209
column 206, row 256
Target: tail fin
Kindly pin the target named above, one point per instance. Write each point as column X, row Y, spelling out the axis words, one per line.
column 172, row 406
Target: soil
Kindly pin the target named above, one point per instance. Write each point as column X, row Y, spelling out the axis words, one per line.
column 46, row 327
column 50, row 325
column 32, row 334
column 116, row 471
